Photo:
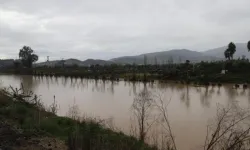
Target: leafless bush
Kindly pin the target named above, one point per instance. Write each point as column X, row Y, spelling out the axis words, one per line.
column 53, row 107
column 18, row 94
column 133, row 130
column 22, row 95
column 74, row 112
column 168, row 139
column 142, row 108
column 160, row 139
column 230, row 130
column 109, row 123
column 150, row 110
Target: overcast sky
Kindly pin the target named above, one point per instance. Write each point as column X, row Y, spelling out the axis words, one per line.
column 109, row 28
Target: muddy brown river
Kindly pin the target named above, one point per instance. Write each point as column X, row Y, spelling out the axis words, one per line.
column 190, row 109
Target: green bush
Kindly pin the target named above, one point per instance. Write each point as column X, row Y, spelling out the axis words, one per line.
column 49, row 125
column 21, row 110
column 4, row 100
column 5, row 112
column 28, row 123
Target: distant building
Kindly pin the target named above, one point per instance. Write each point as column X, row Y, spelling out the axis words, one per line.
column 223, row 71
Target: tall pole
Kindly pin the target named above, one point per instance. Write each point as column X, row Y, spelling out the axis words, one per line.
column 47, row 61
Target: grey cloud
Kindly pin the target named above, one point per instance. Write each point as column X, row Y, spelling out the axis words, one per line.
column 105, row 29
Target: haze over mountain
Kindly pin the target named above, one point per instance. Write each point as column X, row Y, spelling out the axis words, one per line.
column 72, row 62
column 177, row 55
column 241, row 49
column 181, row 55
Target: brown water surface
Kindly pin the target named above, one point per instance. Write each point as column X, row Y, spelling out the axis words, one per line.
column 189, row 111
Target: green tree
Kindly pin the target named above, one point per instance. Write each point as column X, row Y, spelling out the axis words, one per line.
column 248, row 46
column 232, row 49
column 27, row 56
column 229, row 53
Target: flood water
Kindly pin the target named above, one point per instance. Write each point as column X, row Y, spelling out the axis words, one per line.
column 189, row 111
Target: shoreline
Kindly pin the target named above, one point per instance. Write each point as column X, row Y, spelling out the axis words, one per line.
column 179, row 81
column 37, row 124
column 221, row 79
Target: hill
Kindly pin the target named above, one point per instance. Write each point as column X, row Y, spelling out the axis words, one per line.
column 181, row 55
column 176, row 56
column 89, row 62
column 241, row 49
column 72, row 62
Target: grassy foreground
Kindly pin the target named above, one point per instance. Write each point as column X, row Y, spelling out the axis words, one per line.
column 27, row 121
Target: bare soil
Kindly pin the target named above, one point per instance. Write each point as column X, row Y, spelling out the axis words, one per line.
column 12, row 138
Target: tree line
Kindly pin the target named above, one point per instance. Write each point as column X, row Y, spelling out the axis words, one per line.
column 27, row 56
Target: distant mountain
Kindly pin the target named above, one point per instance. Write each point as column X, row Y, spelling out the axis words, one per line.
column 177, row 55
column 181, row 55
column 241, row 49
column 72, row 62
column 89, row 62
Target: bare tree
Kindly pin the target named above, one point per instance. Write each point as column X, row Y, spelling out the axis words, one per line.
column 162, row 105
column 53, row 107
column 230, row 130
column 142, row 108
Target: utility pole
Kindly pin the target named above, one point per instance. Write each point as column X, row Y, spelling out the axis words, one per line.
column 47, row 61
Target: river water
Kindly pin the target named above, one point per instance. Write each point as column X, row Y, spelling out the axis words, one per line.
column 190, row 110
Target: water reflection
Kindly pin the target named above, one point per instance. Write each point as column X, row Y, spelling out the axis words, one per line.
column 218, row 91
column 206, row 94
column 185, row 98
column 249, row 96
column 205, row 97
column 29, row 83
column 231, row 93
column 112, row 87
